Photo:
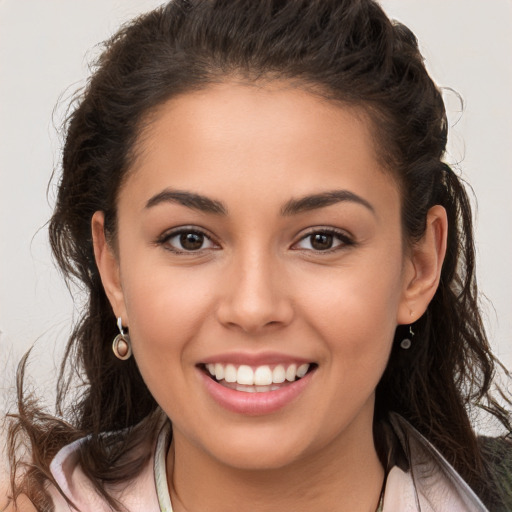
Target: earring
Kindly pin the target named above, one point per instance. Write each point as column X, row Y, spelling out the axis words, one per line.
column 121, row 344
column 407, row 342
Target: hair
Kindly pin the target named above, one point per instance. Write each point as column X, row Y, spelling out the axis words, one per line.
column 345, row 50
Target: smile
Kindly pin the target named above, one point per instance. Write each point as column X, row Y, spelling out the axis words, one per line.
column 256, row 379
column 256, row 390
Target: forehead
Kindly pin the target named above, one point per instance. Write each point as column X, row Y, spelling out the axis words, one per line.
column 245, row 136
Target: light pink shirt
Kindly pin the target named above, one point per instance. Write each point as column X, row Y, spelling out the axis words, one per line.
column 430, row 484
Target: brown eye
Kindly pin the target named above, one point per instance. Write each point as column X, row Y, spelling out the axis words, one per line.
column 321, row 241
column 324, row 241
column 187, row 241
column 191, row 241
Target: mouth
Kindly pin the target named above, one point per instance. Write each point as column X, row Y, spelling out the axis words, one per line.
column 257, row 379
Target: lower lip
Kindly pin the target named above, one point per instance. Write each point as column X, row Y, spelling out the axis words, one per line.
column 255, row 404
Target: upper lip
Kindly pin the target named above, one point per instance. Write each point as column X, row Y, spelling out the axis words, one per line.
column 255, row 359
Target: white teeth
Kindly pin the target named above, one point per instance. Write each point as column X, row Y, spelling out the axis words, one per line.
column 279, row 374
column 246, row 389
column 245, row 375
column 291, row 372
column 265, row 389
column 256, row 389
column 219, row 371
column 259, row 377
column 263, row 376
column 230, row 373
column 302, row 370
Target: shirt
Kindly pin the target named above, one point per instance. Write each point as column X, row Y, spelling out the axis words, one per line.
column 420, row 479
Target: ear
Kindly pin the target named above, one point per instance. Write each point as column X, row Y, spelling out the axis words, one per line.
column 108, row 266
column 423, row 265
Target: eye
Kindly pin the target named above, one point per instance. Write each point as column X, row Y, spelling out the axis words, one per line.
column 323, row 241
column 187, row 240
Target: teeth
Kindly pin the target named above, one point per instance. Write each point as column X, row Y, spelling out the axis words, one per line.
column 261, row 377
column 302, row 370
column 291, row 372
column 230, row 373
column 256, row 389
column 279, row 374
column 245, row 375
column 219, row 371
column 246, row 389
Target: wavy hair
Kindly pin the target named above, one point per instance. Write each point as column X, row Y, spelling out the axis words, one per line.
column 345, row 50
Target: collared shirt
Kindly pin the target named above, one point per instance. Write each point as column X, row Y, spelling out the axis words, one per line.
column 422, row 481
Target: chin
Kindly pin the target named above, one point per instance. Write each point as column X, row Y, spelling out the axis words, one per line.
column 256, row 460
column 263, row 450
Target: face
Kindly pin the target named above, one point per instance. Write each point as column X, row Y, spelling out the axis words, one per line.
column 261, row 272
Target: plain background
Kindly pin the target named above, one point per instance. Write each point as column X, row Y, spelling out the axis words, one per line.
column 44, row 50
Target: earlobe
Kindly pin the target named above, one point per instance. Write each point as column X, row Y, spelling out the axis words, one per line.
column 108, row 266
column 423, row 272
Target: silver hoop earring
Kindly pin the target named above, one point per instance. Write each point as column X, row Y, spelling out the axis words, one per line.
column 121, row 345
column 407, row 342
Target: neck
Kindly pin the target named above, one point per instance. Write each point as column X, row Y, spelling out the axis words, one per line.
column 346, row 475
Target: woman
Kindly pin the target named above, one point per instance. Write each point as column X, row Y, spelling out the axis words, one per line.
column 279, row 265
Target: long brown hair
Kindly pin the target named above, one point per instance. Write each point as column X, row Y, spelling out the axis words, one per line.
column 345, row 50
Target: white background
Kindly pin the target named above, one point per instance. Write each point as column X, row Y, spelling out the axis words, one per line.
column 44, row 50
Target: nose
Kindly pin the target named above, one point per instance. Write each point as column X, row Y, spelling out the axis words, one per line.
column 255, row 296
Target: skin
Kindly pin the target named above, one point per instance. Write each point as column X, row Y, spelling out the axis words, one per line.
column 23, row 503
column 258, row 286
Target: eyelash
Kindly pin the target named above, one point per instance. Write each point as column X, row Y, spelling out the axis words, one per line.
column 344, row 239
column 166, row 237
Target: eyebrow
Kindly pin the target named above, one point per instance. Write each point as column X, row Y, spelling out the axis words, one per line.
column 292, row 207
column 188, row 199
column 321, row 200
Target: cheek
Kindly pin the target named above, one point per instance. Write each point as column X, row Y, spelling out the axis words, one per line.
column 355, row 309
column 165, row 309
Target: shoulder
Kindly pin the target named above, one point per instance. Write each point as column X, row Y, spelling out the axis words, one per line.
column 23, row 505
column 6, row 505
column 436, row 484
column 73, row 486
column 497, row 453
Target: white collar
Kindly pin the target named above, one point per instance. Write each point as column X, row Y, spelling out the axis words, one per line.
column 429, row 485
